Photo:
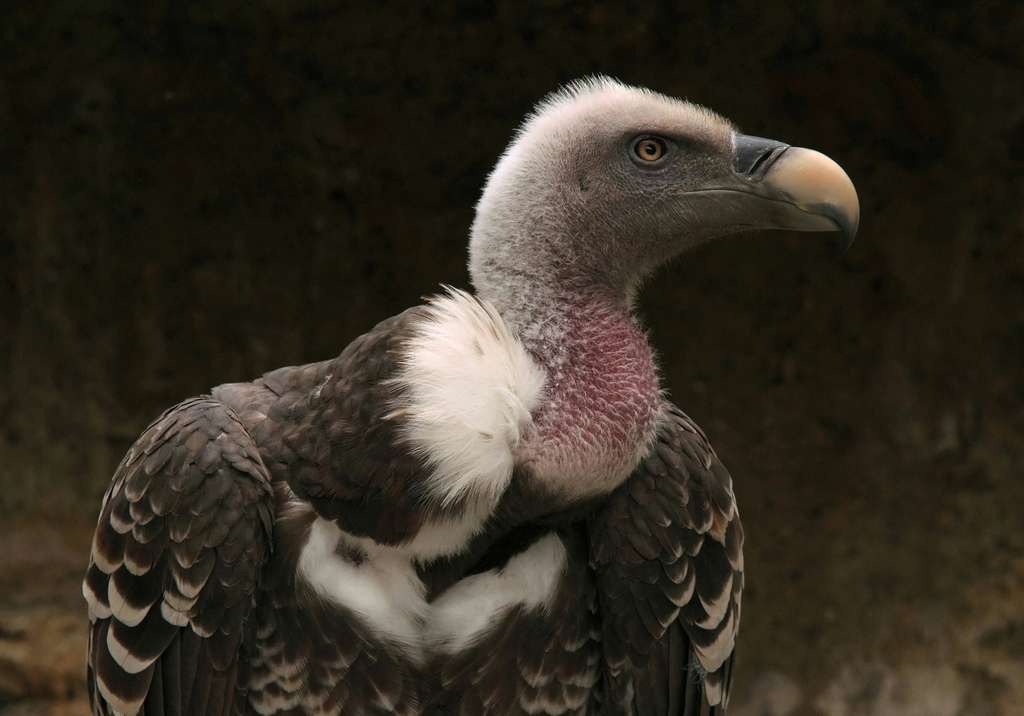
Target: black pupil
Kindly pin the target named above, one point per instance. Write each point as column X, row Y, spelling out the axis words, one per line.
column 649, row 149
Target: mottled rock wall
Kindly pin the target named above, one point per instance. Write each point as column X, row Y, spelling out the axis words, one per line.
column 192, row 195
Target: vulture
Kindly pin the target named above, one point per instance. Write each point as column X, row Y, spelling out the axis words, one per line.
column 486, row 504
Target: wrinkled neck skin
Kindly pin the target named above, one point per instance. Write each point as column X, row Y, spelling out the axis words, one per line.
column 601, row 395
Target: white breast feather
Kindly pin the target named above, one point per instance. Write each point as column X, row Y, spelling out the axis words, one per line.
column 467, row 389
column 384, row 590
column 466, row 612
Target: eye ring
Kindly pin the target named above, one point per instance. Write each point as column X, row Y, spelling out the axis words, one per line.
column 650, row 150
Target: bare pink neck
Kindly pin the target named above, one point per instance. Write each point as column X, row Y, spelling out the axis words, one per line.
column 601, row 396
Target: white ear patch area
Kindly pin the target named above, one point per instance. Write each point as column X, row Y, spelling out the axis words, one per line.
column 467, row 389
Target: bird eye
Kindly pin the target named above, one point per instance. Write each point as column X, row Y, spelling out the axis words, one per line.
column 649, row 149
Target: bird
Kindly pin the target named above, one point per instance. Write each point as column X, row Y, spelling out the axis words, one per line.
column 486, row 504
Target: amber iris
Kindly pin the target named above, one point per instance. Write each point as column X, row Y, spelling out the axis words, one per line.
column 650, row 149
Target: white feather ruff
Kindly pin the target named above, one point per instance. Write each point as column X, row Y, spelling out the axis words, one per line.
column 467, row 390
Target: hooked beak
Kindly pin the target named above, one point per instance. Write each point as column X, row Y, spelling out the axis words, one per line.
column 776, row 186
column 816, row 193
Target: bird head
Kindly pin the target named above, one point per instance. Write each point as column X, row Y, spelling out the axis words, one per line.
column 604, row 182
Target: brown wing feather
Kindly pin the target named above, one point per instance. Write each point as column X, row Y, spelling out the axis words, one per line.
column 667, row 549
column 183, row 534
column 331, row 431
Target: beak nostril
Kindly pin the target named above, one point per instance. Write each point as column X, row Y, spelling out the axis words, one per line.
column 763, row 161
column 759, row 162
column 754, row 155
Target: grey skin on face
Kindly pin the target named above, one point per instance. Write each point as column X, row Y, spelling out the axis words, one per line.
column 604, row 183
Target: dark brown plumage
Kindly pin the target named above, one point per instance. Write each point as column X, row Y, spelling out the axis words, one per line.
column 182, row 539
column 666, row 547
column 549, row 660
column 194, row 497
column 322, row 429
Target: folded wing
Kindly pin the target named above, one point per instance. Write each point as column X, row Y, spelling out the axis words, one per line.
column 183, row 534
column 667, row 550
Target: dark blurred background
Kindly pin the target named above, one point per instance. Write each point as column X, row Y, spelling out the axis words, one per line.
column 194, row 193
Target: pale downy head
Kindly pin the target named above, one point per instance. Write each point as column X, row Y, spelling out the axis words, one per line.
column 604, row 182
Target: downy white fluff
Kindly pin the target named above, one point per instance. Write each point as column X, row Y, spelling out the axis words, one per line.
column 467, row 390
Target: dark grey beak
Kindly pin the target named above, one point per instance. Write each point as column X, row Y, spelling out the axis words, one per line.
column 804, row 189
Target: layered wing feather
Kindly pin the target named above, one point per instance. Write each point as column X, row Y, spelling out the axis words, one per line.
column 184, row 531
column 667, row 549
column 328, row 429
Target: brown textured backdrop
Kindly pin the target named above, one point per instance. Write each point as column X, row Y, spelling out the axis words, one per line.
column 195, row 194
